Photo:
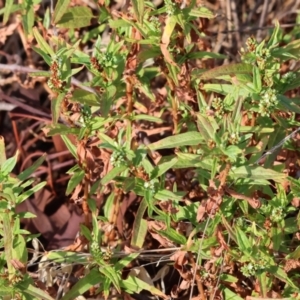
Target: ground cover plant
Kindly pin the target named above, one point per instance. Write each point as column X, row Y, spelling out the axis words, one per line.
column 139, row 159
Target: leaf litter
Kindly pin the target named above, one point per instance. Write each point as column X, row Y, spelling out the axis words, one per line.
column 59, row 217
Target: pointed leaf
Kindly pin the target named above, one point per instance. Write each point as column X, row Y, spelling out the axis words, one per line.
column 7, row 10
column 26, row 173
column 28, row 18
column 25, row 195
column 206, row 128
column 7, row 166
column 165, row 40
column 55, row 107
column 183, row 139
column 74, row 181
column 76, row 17
column 243, row 242
column 112, row 174
column 138, row 7
column 34, row 292
column 257, row 173
column 139, row 226
column 163, row 168
column 42, row 43
column 112, row 275
column 201, row 12
column 282, row 275
column 86, row 97
column 71, row 147
column 83, row 285
column 60, row 9
column 232, row 69
column 134, row 284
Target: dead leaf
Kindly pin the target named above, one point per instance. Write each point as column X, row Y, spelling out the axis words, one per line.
column 7, row 31
column 201, row 210
column 165, row 40
column 153, row 227
column 254, row 202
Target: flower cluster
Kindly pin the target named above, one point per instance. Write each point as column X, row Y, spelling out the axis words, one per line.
column 55, row 81
column 268, row 102
column 118, row 157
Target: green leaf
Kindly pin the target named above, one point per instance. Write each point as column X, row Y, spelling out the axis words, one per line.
column 281, row 274
column 147, row 118
column 60, row 9
column 41, row 73
column 232, row 69
column 74, row 181
column 295, row 254
column 121, row 264
column 173, row 235
column 165, row 195
column 112, row 275
column 277, row 236
column 135, row 285
column 107, row 139
column 67, row 257
column 139, row 226
column 47, row 60
column 112, row 174
column 286, row 103
column 274, row 40
column 107, row 99
column 76, row 17
column 147, row 166
column 8, row 234
column 257, row 173
column 257, row 79
column 86, row 97
column 256, row 129
column 205, row 127
column 83, row 285
column 7, row 10
column 138, row 7
column 86, row 232
column 55, row 107
column 8, row 194
column 19, row 250
column 229, row 295
column 262, row 279
column 26, row 215
column 117, row 23
column 224, row 89
column 7, row 289
column 61, row 129
column 232, row 152
column 42, row 43
column 25, row 287
column 228, row 278
column 109, row 205
column 71, row 147
column 47, row 19
column 25, row 195
column 9, row 164
column 243, row 242
column 162, row 168
column 183, row 139
column 189, row 160
column 201, row 12
column 28, row 172
column 205, row 55
column 28, row 17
